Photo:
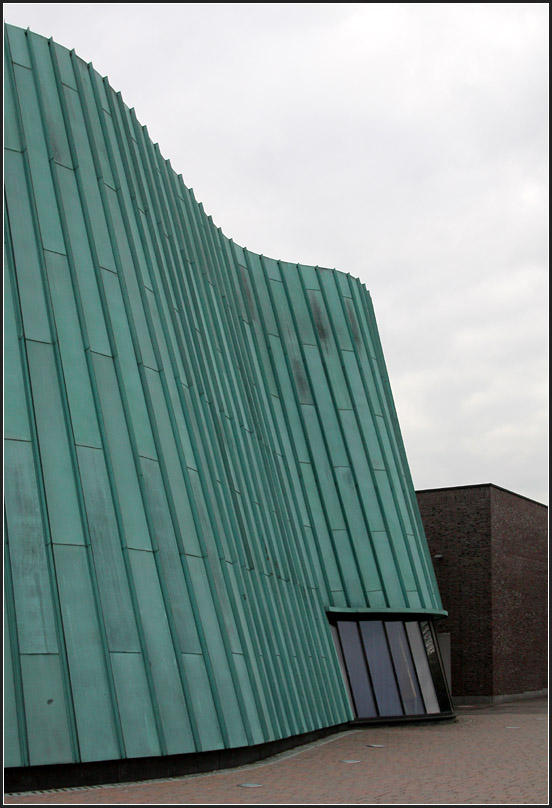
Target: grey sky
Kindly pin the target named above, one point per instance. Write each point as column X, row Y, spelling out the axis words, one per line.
column 406, row 144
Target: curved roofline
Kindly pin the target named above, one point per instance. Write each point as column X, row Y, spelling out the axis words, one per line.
column 167, row 161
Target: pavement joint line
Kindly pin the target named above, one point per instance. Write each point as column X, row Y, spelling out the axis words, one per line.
column 285, row 755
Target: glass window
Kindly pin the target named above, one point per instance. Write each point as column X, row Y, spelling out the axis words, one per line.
column 404, row 667
column 391, row 668
column 381, row 668
column 356, row 668
column 435, row 667
column 422, row 668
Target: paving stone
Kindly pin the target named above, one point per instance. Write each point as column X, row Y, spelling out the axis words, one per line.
column 472, row 760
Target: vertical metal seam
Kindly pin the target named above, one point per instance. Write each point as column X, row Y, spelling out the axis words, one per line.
column 323, row 430
column 216, row 605
column 263, row 449
column 130, row 427
column 105, row 446
column 86, row 344
column 303, row 427
column 279, row 473
column 51, row 569
column 342, row 430
column 271, row 597
column 383, row 396
column 169, row 494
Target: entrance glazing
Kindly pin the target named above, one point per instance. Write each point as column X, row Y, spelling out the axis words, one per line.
column 392, row 668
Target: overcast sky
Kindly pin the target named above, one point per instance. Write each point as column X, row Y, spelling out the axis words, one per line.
column 405, row 143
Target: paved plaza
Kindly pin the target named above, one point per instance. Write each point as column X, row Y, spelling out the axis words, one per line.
column 492, row 755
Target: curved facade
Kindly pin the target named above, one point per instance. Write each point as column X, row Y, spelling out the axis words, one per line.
column 203, row 460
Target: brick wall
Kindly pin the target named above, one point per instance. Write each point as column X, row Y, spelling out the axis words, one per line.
column 519, row 593
column 492, row 580
column 458, row 526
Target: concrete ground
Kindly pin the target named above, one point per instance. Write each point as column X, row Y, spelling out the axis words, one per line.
column 491, row 755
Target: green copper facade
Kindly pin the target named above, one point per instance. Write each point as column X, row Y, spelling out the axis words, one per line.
column 202, row 454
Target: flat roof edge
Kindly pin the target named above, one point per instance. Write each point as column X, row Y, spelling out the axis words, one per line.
column 413, row 612
column 480, row 485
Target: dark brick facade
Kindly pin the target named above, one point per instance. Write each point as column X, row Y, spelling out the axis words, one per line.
column 489, row 549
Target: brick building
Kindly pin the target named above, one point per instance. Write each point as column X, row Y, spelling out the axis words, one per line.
column 489, row 549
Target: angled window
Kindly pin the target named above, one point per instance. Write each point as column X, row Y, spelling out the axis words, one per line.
column 392, row 668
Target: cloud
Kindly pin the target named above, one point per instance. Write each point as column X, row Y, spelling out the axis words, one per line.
column 403, row 143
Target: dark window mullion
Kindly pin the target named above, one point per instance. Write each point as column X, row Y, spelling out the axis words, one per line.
column 393, row 668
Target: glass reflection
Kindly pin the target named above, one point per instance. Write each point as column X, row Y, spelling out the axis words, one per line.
column 435, row 667
column 391, row 668
column 404, row 667
column 356, row 669
column 381, row 668
column 422, row 668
